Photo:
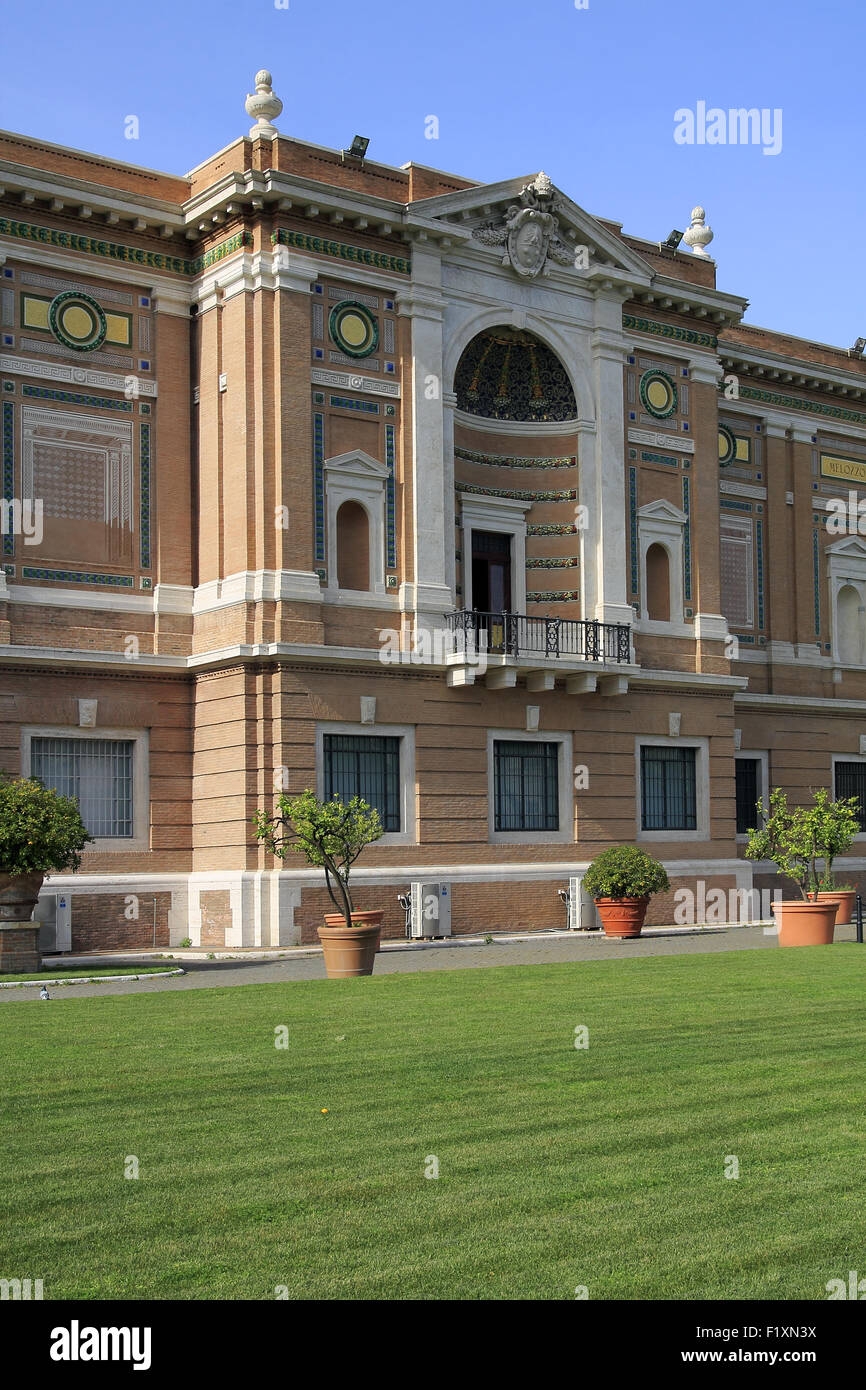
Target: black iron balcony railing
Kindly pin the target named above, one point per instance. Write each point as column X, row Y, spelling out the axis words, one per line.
column 514, row 634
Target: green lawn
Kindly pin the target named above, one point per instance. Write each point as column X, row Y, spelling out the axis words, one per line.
column 558, row 1167
column 50, row 972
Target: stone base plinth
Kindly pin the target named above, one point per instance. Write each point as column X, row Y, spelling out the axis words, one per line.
column 19, row 949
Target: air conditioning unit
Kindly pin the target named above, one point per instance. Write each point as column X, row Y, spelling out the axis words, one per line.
column 54, row 915
column 580, row 913
column 428, row 911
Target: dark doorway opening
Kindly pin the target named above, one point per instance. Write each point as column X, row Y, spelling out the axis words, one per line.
column 491, row 572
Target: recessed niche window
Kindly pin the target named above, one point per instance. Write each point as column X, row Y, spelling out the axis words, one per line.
column 353, row 547
column 658, row 584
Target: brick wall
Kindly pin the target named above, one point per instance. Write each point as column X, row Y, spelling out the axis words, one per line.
column 99, row 923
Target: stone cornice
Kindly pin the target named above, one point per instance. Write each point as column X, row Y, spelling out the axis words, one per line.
column 819, row 409
column 792, row 371
column 251, row 191
column 684, row 297
column 81, row 198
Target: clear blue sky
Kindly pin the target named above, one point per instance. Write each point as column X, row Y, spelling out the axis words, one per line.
column 589, row 95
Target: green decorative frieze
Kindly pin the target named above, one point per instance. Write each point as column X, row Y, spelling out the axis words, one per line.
column 553, row 562
column 514, row 461
column 219, row 253
column 45, row 393
column 358, row 255
column 564, row 530
column 566, row 495
column 671, row 331
column 114, row 251
column 114, row 581
column 668, row 459
column 833, row 412
column 553, row 596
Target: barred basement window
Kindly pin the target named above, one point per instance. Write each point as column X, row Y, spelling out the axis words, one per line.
column 526, row 785
column 747, row 794
column 97, row 772
column 367, row 766
column 850, row 780
column 668, row 790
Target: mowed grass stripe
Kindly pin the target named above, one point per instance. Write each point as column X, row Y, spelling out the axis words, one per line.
column 558, row 1166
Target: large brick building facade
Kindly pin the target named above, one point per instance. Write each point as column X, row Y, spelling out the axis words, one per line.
column 324, row 473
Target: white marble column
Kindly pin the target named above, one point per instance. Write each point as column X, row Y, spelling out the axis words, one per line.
column 602, row 475
column 422, row 302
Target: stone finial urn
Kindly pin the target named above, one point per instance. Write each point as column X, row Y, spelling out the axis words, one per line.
column 699, row 235
column 262, row 106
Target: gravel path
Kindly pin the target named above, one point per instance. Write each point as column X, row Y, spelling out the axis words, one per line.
column 543, row 950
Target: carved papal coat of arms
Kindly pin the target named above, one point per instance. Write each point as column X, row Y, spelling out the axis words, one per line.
column 530, row 231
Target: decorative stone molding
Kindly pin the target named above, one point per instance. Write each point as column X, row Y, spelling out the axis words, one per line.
column 352, row 382
column 75, row 376
column 368, row 709
column 87, row 714
column 661, row 440
column 711, row 627
column 251, row 586
column 674, row 723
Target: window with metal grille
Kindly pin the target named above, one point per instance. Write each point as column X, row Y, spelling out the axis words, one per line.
column 97, row 772
column 747, row 794
column 368, row 766
column 851, row 781
column 668, row 793
column 526, row 785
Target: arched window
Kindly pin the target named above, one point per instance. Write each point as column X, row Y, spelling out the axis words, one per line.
column 851, row 620
column 353, row 547
column 658, row 584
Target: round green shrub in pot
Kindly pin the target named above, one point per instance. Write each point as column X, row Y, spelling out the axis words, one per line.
column 621, row 881
column 41, row 832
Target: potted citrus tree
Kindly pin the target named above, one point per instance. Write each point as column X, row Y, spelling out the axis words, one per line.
column 838, row 824
column 621, row 881
column 41, row 832
column 794, row 840
column 331, row 835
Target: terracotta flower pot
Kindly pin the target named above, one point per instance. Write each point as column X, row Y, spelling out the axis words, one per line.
column 806, row 924
column 18, row 896
column 622, row 916
column 350, row 951
column 844, row 897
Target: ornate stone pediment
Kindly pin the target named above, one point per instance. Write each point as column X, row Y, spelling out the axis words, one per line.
column 529, row 231
column 537, row 228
